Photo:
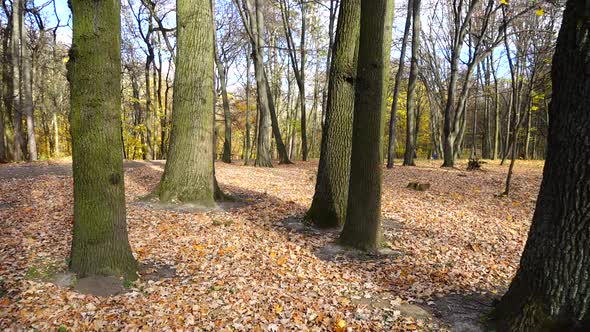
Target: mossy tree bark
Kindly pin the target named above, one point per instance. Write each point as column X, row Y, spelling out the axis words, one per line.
column 551, row 291
column 363, row 214
column 328, row 208
column 100, row 244
column 189, row 176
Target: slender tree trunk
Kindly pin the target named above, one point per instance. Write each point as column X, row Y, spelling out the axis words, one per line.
column 226, row 157
column 3, row 157
column 497, row 123
column 328, row 208
column 3, row 108
column 301, row 83
column 527, row 141
column 411, row 131
column 363, row 215
column 19, row 148
column 100, row 244
column 189, row 175
column 474, row 129
column 508, row 129
column 550, row 291
column 247, row 143
column 397, row 87
column 27, row 85
column 7, row 88
column 55, row 124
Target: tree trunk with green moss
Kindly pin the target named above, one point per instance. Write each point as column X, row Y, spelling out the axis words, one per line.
column 188, row 176
column 551, row 291
column 362, row 229
column 100, row 244
column 328, row 208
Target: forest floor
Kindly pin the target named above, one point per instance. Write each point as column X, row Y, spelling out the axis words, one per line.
column 254, row 266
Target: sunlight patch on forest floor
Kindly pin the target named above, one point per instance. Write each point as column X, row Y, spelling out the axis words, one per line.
column 246, row 268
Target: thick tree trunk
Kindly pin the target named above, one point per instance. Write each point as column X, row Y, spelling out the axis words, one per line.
column 396, row 88
column 550, row 291
column 328, row 208
column 188, row 175
column 411, row 130
column 362, row 229
column 100, row 244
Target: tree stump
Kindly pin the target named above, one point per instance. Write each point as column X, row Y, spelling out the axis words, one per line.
column 418, row 186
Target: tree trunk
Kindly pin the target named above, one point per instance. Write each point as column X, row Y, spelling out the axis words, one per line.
column 508, row 128
column 301, row 84
column 496, row 151
column 397, row 87
column 226, row 157
column 362, row 229
column 411, row 131
column 550, row 291
column 19, row 149
column 3, row 157
column 328, row 208
column 188, row 175
column 247, row 144
column 7, row 89
column 100, row 244
column 527, row 141
column 333, row 12
column 26, row 88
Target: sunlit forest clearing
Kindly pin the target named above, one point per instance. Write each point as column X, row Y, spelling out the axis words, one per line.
column 295, row 165
column 255, row 265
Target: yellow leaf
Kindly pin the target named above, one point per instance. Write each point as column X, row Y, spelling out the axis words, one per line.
column 281, row 261
column 278, row 308
column 273, row 254
column 539, row 12
column 66, row 59
column 340, row 326
column 198, row 247
column 504, row 2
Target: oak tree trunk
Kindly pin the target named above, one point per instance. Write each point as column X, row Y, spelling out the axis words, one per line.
column 328, row 208
column 362, row 229
column 188, row 175
column 551, row 291
column 100, row 244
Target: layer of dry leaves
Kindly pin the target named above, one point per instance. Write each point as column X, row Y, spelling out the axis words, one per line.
column 244, row 270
